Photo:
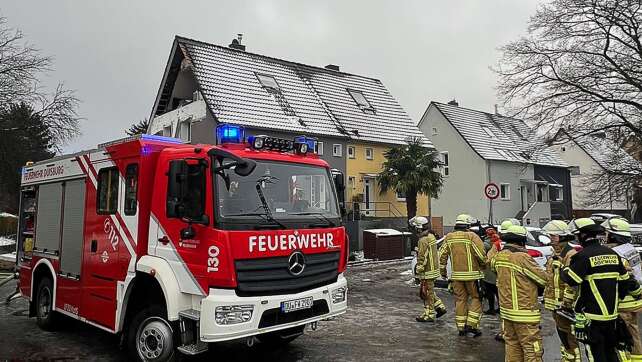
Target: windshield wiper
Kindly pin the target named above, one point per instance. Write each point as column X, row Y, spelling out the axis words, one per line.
column 263, row 216
column 315, row 213
column 266, row 207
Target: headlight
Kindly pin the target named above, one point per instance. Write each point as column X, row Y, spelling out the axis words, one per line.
column 339, row 295
column 233, row 314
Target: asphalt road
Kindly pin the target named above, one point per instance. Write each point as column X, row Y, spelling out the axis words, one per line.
column 379, row 326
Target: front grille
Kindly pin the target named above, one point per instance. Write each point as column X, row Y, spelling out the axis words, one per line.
column 274, row 317
column 270, row 276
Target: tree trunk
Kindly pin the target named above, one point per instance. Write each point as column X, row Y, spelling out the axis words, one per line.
column 411, row 204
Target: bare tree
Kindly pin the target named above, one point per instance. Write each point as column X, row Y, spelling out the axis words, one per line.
column 21, row 66
column 579, row 68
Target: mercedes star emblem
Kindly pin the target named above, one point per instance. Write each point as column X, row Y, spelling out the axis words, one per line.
column 296, row 263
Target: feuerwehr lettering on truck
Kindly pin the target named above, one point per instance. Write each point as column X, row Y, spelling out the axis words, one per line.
column 283, row 242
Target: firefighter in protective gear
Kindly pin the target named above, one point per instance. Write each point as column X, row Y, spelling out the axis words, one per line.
column 427, row 270
column 518, row 278
column 558, row 296
column 601, row 276
column 465, row 250
column 618, row 238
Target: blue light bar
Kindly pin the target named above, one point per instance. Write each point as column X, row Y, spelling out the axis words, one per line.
column 228, row 133
column 312, row 142
column 152, row 137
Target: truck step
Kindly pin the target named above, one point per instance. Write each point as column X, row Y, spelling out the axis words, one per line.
column 193, row 349
column 192, row 314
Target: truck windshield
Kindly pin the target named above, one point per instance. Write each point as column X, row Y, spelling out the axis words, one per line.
column 278, row 193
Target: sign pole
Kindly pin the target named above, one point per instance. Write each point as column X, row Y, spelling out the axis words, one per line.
column 491, row 190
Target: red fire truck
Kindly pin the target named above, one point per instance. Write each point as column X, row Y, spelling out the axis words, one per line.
column 177, row 245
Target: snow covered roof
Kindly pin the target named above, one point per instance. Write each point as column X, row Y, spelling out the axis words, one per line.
column 495, row 137
column 263, row 92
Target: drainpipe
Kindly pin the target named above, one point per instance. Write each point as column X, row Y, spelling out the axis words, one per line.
column 490, row 202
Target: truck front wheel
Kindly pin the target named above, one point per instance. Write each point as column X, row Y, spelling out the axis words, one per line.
column 45, row 315
column 150, row 337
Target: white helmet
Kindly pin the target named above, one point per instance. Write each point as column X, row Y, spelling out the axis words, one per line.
column 418, row 222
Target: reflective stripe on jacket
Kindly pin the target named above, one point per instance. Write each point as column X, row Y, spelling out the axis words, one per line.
column 466, row 252
column 427, row 257
column 558, row 293
column 518, row 278
column 602, row 279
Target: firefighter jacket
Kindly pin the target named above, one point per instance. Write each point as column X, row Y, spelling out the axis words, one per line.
column 427, row 257
column 631, row 259
column 602, row 279
column 466, row 252
column 557, row 293
column 518, row 278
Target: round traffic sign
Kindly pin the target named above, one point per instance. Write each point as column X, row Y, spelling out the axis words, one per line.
column 491, row 190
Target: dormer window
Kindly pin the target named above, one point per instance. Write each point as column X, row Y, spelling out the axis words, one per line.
column 268, row 81
column 361, row 101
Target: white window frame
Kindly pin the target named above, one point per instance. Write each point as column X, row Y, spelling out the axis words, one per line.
column 572, row 168
column 266, row 81
column 168, row 128
column 445, row 167
column 506, row 196
column 351, row 152
column 434, row 131
column 187, row 122
column 337, row 150
column 371, row 156
column 352, row 182
column 319, row 148
column 560, row 192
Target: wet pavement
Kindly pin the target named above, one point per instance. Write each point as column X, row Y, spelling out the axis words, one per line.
column 379, row 326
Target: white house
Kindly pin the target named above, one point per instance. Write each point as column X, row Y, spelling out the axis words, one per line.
column 478, row 148
column 590, row 156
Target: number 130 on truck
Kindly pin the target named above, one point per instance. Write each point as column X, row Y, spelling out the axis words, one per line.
column 175, row 246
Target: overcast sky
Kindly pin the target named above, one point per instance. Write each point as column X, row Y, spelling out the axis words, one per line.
column 113, row 53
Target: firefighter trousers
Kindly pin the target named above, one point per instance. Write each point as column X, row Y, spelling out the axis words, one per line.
column 523, row 342
column 467, row 313
column 631, row 321
column 432, row 303
column 570, row 349
column 603, row 342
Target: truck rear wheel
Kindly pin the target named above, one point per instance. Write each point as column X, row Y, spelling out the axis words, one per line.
column 45, row 315
column 282, row 337
column 150, row 336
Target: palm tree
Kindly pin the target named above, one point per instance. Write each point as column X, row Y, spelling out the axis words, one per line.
column 410, row 170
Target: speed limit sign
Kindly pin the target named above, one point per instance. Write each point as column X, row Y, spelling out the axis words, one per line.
column 491, row 190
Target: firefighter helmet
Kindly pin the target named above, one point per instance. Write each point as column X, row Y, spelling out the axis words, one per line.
column 418, row 222
column 618, row 226
column 557, row 227
column 464, row 220
column 585, row 224
column 515, row 234
column 507, row 223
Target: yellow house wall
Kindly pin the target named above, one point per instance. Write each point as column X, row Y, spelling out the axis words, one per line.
column 359, row 166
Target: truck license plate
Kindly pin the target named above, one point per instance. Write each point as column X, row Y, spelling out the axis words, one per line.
column 297, row 304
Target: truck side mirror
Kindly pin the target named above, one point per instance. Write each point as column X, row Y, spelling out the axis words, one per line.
column 176, row 188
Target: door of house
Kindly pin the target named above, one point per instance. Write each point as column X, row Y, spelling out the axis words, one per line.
column 368, row 196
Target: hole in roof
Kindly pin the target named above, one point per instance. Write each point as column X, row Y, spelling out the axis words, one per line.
column 489, row 132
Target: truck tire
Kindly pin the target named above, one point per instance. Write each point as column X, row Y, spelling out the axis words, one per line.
column 282, row 337
column 45, row 314
column 150, row 336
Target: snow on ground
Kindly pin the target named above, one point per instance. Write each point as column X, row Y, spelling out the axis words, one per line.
column 6, row 241
column 6, row 214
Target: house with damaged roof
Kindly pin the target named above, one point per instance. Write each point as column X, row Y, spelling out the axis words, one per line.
column 602, row 173
column 478, row 148
column 354, row 118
